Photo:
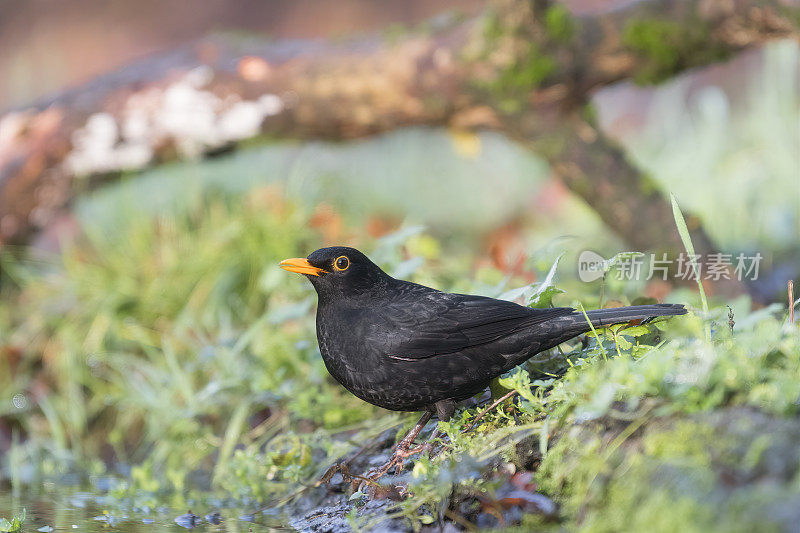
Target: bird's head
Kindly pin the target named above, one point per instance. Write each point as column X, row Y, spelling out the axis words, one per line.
column 338, row 270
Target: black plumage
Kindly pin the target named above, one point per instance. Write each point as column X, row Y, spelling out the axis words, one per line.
column 407, row 347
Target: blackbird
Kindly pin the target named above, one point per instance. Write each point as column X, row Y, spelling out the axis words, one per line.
column 407, row 347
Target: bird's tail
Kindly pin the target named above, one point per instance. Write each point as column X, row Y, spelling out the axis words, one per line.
column 573, row 324
column 620, row 315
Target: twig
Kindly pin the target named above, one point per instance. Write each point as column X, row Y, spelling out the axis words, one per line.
column 731, row 322
column 482, row 413
column 452, row 515
column 791, row 302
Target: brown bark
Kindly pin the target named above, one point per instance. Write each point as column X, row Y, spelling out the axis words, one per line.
column 524, row 68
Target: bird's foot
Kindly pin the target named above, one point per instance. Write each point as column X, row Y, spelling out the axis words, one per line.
column 372, row 475
column 365, row 483
column 342, row 468
column 376, row 473
column 402, row 454
column 397, row 460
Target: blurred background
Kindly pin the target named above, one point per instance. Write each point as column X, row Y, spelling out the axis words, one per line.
column 48, row 46
column 157, row 161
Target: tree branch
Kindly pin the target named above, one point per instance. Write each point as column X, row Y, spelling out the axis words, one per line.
column 526, row 68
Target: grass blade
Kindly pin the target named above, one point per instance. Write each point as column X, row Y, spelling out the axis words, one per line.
column 683, row 231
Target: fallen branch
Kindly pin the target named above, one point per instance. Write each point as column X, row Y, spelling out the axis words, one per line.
column 524, row 68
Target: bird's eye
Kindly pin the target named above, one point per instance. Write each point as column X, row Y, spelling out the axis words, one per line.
column 341, row 263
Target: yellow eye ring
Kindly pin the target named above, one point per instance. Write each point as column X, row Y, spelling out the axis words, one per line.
column 341, row 264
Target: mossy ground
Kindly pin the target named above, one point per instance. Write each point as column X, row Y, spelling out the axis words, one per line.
column 189, row 356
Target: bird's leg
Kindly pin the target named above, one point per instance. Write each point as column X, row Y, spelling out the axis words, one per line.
column 401, row 450
column 405, row 444
column 444, row 411
column 425, row 446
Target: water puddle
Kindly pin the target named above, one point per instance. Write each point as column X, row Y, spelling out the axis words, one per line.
column 73, row 510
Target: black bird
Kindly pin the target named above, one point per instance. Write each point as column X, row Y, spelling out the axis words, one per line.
column 407, row 347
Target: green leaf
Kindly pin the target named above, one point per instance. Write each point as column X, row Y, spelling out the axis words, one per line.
column 623, row 343
column 544, row 298
column 519, row 381
column 610, row 263
column 615, row 328
column 537, row 295
column 547, row 282
column 636, row 331
column 357, row 495
column 14, row 525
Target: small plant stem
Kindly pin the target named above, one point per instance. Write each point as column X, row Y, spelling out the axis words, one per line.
column 602, row 289
column 616, row 344
column 494, row 404
column 596, row 336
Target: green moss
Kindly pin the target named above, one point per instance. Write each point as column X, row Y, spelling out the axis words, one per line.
column 687, row 440
column 588, row 113
column 394, row 33
column 526, row 74
column 558, row 23
column 676, row 475
column 756, row 452
column 665, row 480
column 550, row 147
column 492, row 27
column 655, row 39
column 648, row 185
column 534, row 64
column 567, row 476
column 790, row 13
column 668, row 47
column 633, row 503
column 13, row 525
column 608, row 475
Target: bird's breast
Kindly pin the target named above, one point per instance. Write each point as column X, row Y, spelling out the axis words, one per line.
column 359, row 365
column 341, row 334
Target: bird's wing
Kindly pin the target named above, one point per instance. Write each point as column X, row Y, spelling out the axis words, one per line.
column 440, row 323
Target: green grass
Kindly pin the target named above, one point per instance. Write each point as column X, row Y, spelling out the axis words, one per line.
column 614, row 425
column 729, row 150
column 13, row 525
column 160, row 351
column 176, row 345
column 187, row 354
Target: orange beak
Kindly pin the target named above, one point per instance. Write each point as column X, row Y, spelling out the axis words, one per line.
column 301, row 265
